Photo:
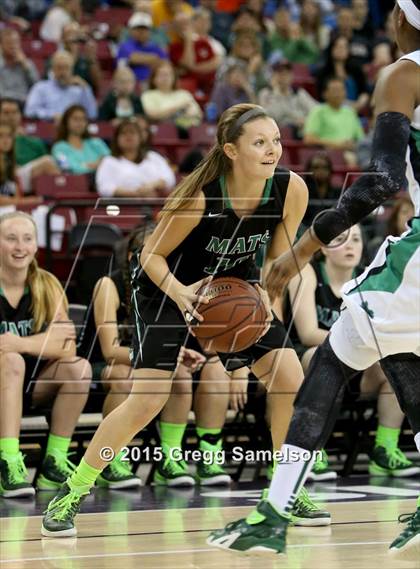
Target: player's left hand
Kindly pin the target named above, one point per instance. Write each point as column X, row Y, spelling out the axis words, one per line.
column 266, row 301
column 191, row 359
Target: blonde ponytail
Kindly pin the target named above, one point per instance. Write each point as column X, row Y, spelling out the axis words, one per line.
column 45, row 288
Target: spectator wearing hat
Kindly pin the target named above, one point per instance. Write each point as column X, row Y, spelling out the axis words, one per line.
column 138, row 51
column 286, row 104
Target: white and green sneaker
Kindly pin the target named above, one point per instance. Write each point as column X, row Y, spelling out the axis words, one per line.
column 59, row 516
column 14, row 477
column 407, row 545
column 262, row 532
column 118, row 475
column 391, row 462
column 321, row 470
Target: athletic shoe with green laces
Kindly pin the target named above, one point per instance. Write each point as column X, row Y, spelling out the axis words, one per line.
column 321, row 470
column 14, row 477
column 391, row 462
column 209, row 470
column 407, row 545
column 263, row 531
column 117, row 476
column 170, row 472
column 306, row 513
column 59, row 516
column 55, row 470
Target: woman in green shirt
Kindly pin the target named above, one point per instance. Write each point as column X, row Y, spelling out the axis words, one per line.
column 75, row 151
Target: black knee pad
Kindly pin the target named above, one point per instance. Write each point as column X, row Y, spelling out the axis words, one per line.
column 403, row 373
column 319, row 399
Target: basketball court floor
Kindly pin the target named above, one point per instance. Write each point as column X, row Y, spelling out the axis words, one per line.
column 162, row 528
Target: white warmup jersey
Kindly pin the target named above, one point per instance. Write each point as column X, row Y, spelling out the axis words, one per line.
column 383, row 303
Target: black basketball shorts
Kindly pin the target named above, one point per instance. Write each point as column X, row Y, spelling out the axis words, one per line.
column 160, row 331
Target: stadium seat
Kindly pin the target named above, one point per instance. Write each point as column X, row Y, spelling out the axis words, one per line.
column 203, row 134
column 42, row 129
column 35, row 48
column 112, row 15
column 102, row 129
column 63, row 186
column 306, row 152
column 163, row 133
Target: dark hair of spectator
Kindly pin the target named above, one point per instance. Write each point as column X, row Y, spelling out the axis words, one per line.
column 152, row 84
column 312, row 26
column 144, row 143
column 8, row 172
column 63, row 125
column 392, row 224
column 321, row 155
column 10, row 100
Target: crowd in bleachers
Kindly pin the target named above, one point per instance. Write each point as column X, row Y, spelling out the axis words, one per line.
column 119, row 99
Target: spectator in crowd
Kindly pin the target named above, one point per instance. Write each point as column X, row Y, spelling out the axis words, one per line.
column 232, row 89
column 17, row 72
column 311, row 24
column 287, row 39
column 359, row 46
column 138, row 51
column 193, row 55
column 338, row 64
column 318, row 177
column 31, row 153
column 362, row 26
column 286, row 104
column 202, row 26
column 75, row 151
column 333, row 124
column 248, row 20
column 246, row 50
column 63, row 12
column 133, row 170
column 37, row 359
column 121, row 102
column 164, row 13
column 11, row 190
column 86, row 65
column 401, row 213
column 164, row 102
column 315, row 296
column 49, row 99
column 381, row 57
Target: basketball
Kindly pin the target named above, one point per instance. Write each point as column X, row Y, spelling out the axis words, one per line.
column 234, row 318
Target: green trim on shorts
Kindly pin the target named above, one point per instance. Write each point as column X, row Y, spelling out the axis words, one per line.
column 388, row 277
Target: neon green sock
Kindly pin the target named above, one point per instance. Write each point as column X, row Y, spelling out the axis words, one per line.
column 57, row 443
column 171, row 434
column 418, row 502
column 387, row 437
column 213, row 438
column 9, row 445
column 84, row 475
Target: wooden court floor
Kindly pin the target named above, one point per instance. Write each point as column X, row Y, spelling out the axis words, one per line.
column 175, row 539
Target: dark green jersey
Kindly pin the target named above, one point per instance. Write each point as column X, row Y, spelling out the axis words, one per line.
column 17, row 320
column 223, row 244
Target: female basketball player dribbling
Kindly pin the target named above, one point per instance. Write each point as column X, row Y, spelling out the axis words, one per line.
column 231, row 205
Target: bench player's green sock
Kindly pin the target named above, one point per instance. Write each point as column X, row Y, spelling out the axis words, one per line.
column 9, row 445
column 171, row 434
column 387, row 437
column 57, row 443
column 84, row 476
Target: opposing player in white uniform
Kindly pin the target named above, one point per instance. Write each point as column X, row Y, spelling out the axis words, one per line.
column 380, row 319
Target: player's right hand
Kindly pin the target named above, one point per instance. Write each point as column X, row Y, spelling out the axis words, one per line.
column 188, row 301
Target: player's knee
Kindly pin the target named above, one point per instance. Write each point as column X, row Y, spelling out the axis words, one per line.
column 12, row 369
column 77, row 370
column 139, row 407
column 120, row 386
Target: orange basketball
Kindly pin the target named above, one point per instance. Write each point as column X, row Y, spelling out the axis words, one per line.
column 235, row 317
